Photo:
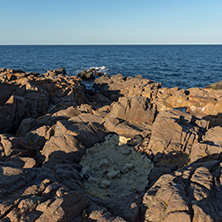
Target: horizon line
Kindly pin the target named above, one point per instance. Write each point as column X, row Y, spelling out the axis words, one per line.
column 82, row 44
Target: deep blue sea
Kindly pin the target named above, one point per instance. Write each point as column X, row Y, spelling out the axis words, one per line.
column 184, row 66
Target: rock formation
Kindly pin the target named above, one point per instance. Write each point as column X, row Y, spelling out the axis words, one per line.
column 55, row 165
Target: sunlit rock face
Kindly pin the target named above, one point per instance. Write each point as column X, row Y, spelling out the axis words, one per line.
column 114, row 169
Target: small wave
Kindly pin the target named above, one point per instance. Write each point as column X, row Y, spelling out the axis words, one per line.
column 99, row 69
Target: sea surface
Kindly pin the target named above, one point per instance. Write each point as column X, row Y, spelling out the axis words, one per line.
column 184, row 66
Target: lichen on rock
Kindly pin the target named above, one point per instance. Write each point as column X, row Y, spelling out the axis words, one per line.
column 113, row 169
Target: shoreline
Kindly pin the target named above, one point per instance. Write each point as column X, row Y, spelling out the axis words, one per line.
column 49, row 121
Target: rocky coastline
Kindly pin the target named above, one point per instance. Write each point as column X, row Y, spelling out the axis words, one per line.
column 167, row 164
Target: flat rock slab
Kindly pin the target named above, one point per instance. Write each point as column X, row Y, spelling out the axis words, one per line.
column 114, row 169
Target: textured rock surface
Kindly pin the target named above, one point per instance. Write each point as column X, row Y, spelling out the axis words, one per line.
column 48, row 121
column 111, row 169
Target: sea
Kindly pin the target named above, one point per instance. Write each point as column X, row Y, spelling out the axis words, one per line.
column 182, row 66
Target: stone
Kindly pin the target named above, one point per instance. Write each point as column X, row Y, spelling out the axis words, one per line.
column 86, row 75
column 15, row 146
column 173, row 132
column 61, row 149
column 177, row 217
column 120, row 86
column 95, row 212
column 108, row 162
column 215, row 86
column 5, row 124
column 113, row 174
column 211, row 144
column 87, row 133
column 124, row 128
column 133, row 109
column 64, row 208
column 105, row 184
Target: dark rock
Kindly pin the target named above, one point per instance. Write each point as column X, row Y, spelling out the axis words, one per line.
column 216, row 86
column 86, row 75
column 87, row 133
column 60, row 149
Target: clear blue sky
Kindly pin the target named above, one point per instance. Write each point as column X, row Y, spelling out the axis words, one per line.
column 110, row 21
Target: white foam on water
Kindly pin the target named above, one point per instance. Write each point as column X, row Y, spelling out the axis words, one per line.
column 103, row 69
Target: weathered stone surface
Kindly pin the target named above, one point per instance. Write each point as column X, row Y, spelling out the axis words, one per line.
column 120, row 86
column 216, row 86
column 34, row 195
column 173, row 135
column 133, row 109
column 11, row 146
column 64, row 208
column 126, row 129
column 62, row 149
column 107, row 166
column 29, row 94
column 53, row 114
column 209, row 146
column 87, row 133
column 186, row 194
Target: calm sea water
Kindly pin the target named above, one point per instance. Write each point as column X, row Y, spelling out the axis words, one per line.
column 184, row 66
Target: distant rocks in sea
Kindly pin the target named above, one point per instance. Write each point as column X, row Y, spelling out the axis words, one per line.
column 90, row 74
column 128, row 150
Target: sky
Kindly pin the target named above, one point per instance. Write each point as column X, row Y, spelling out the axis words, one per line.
column 28, row 22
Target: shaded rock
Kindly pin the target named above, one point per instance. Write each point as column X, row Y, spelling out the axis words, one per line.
column 62, row 149
column 86, row 75
column 211, row 145
column 64, row 208
column 87, row 133
column 5, row 124
column 36, row 138
column 22, row 162
column 12, row 146
column 127, row 207
column 5, row 92
column 26, row 125
column 216, row 86
column 158, row 171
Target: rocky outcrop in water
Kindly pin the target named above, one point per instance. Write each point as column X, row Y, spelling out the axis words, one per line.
column 128, row 150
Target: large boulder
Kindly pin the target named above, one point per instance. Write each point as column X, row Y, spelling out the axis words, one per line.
column 87, row 133
column 134, row 109
column 126, row 129
column 62, row 149
column 173, row 135
column 118, row 85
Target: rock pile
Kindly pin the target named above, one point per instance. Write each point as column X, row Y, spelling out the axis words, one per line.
column 49, row 172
